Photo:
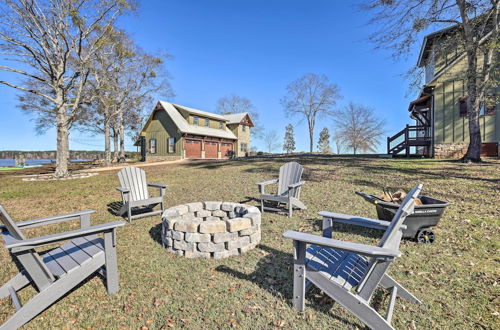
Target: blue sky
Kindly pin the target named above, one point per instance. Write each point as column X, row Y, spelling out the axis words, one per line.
column 252, row 48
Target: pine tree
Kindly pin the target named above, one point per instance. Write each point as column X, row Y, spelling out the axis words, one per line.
column 324, row 141
column 289, row 143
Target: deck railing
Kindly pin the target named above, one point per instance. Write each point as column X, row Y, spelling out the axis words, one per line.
column 408, row 137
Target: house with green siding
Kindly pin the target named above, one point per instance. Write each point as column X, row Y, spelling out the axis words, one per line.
column 174, row 131
column 441, row 128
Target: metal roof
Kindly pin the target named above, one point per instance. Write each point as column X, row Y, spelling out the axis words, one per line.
column 235, row 118
column 185, row 127
column 200, row 112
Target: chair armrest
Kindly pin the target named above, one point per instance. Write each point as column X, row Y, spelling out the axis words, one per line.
column 358, row 221
column 161, row 187
column 157, row 185
column 264, row 183
column 122, row 190
column 32, row 243
column 55, row 219
column 362, row 249
column 295, row 185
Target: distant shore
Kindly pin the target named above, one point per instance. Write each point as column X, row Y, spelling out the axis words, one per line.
column 51, row 155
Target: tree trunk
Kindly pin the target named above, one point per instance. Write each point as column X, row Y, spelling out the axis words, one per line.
column 474, row 150
column 311, row 136
column 107, row 143
column 471, row 46
column 116, row 147
column 62, row 154
column 121, row 131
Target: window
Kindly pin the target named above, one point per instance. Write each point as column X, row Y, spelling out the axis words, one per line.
column 195, row 120
column 243, row 146
column 207, row 122
column 462, row 105
column 152, row 146
column 171, row 145
column 243, row 128
column 221, row 125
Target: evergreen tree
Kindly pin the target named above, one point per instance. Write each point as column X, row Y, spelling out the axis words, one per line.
column 289, row 142
column 324, row 141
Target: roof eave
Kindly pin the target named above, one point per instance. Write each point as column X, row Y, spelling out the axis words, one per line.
column 422, row 51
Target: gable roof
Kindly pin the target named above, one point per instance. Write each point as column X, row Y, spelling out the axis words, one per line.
column 427, row 44
column 184, row 127
column 235, row 118
column 238, row 118
column 429, row 39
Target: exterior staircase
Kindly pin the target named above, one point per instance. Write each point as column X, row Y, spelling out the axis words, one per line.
column 418, row 137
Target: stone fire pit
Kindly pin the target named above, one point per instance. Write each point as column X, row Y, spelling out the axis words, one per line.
column 210, row 229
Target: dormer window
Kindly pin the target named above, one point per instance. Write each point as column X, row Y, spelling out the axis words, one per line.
column 207, row 122
column 243, row 128
column 221, row 125
column 195, row 120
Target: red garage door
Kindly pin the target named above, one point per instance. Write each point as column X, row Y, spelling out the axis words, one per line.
column 225, row 149
column 193, row 148
column 210, row 149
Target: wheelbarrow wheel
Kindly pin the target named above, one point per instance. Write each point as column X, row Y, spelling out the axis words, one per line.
column 426, row 236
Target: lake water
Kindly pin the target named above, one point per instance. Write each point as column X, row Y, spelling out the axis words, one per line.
column 31, row 162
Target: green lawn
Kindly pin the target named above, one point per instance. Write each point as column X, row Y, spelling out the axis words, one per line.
column 456, row 277
column 9, row 168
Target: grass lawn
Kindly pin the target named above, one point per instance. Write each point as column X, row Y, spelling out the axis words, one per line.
column 456, row 277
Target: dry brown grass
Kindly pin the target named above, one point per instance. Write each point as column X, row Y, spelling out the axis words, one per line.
column 456, row 277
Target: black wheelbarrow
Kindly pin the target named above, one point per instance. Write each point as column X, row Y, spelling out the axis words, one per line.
column 418, row 224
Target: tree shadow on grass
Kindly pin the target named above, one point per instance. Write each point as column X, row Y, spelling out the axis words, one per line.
column 155, row 233
column 274, row 273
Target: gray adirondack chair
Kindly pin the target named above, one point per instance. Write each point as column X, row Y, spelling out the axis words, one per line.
column 135, row 193
column 348, row 272
column 58, row 271
column 289, row 185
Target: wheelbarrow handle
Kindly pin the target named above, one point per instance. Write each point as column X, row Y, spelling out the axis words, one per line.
column 370, row 198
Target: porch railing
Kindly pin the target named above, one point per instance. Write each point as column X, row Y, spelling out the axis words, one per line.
column 410, row 136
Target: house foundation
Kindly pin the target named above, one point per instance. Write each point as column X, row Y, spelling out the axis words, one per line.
column 450, row 150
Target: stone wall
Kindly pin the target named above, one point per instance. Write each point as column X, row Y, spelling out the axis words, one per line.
column 211, row 229
column 450, row 150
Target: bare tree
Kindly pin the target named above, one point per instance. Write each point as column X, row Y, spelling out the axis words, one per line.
column 338, row 141
column 310, row 96
column 238, row 104
column 473, row 30
column 270, row 140
column 359, row 128
column 50, row 44
column 122, row 81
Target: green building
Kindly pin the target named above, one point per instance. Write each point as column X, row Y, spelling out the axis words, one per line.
column 173, row 131
column 441, row 126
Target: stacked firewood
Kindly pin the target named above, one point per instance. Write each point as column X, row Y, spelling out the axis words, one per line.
column 397, row 197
